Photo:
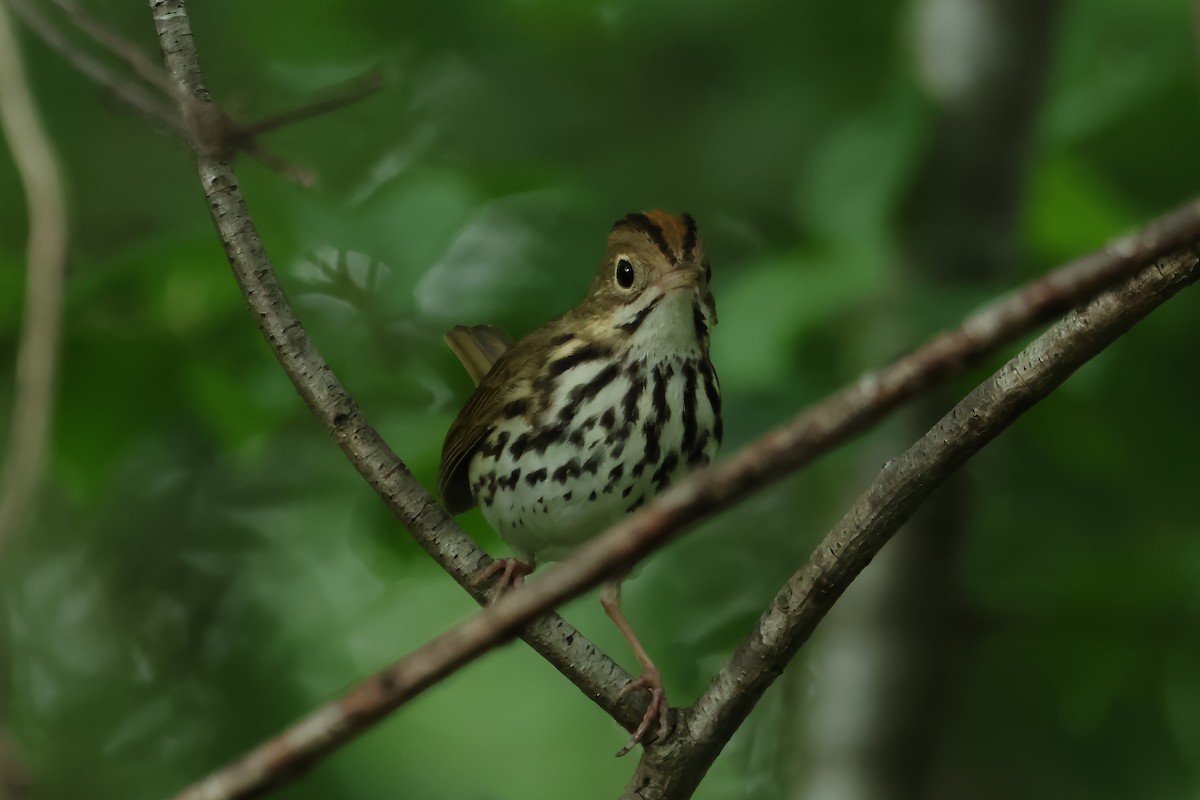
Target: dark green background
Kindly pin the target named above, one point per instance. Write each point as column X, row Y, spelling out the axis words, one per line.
column 205, row 567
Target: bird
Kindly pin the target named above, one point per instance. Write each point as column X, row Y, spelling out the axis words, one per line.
column 588, row 417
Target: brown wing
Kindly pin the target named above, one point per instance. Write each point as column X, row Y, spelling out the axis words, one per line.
column 478, row 347
column 473, row 424
column 509, row 378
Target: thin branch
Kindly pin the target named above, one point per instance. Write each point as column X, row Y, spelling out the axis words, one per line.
column 219, row 132
column 350, row 92
column 293, row 172
column 119, row 46
column 46, row 254
column 137, row 97
column 672, row 772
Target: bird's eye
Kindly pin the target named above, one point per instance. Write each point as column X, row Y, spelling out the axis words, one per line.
column 624, row 273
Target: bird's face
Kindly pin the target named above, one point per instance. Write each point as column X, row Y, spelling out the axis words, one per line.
column 652, row 286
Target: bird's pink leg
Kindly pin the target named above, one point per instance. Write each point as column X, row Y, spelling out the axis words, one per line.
column 512, row 574
column 651, row 678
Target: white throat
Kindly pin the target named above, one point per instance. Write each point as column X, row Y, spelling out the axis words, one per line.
column 669, row 329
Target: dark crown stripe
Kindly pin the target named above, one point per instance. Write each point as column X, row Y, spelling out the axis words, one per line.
column 689, row 238
column 641, row 222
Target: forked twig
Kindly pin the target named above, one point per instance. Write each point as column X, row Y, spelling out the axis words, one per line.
column 217, row 130
column 158, row 110
column 347, row 94
column 149, row 71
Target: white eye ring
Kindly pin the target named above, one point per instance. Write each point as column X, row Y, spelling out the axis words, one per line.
column 624, row 274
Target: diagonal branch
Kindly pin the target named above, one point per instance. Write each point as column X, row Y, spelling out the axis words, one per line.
column 672, row 772
column 338, row 97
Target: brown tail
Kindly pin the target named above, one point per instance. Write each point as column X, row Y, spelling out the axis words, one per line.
column 478, row 347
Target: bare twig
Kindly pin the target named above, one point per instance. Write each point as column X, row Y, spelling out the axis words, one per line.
column 350, row 92
column 293, row 172
column 209, row 124
column 119, row 46
column 137, row 97
column 46, row 254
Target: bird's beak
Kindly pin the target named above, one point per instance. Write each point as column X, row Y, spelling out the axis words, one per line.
column 683, row 276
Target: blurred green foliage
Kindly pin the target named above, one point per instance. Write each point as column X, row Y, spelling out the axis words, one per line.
column 205, row 567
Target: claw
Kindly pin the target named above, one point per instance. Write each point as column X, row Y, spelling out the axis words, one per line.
column 651, row 678
column 512, row 575
column 656, row 710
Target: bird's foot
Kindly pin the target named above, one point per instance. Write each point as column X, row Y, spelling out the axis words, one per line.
column 512, row 573
column 657, row 710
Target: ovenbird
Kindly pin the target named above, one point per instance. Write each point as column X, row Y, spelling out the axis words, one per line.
column 586, row 418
